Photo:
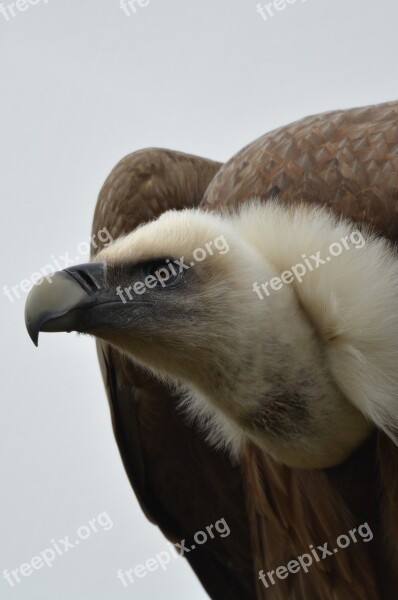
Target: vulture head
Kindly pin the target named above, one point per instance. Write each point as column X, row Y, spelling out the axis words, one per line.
column 292, row 371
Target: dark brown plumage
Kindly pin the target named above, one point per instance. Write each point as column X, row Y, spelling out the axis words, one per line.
column 347, row 160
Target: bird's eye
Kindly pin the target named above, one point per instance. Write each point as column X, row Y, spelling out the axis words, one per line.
column 162, row 273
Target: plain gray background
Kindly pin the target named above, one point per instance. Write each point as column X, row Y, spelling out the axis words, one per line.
column 82, row 85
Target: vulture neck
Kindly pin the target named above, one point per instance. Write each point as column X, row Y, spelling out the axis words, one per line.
column 312, row 366
column 273, row 387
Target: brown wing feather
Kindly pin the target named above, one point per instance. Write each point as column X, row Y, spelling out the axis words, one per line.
column 181, row 483
column 347, row 161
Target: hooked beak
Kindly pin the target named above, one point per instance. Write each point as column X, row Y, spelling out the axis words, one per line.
column 61, row 304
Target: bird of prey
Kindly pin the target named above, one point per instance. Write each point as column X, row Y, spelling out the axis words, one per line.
column 239, row 391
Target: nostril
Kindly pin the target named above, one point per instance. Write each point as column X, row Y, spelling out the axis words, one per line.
column 89, row 276
column 88, row 279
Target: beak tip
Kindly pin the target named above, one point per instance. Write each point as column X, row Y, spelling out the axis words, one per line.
column 35, row 339
column 33, row 332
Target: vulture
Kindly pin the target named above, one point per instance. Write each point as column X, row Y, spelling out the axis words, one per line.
column 246, row 321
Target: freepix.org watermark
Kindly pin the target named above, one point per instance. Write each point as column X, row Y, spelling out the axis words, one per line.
column 268, row 10
column 63, row 261
column 58, row 548
column 130, row 7
column 173, row 268
column 11, row 10
column 319, row 553
column 163, row 559
column 298, row 271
